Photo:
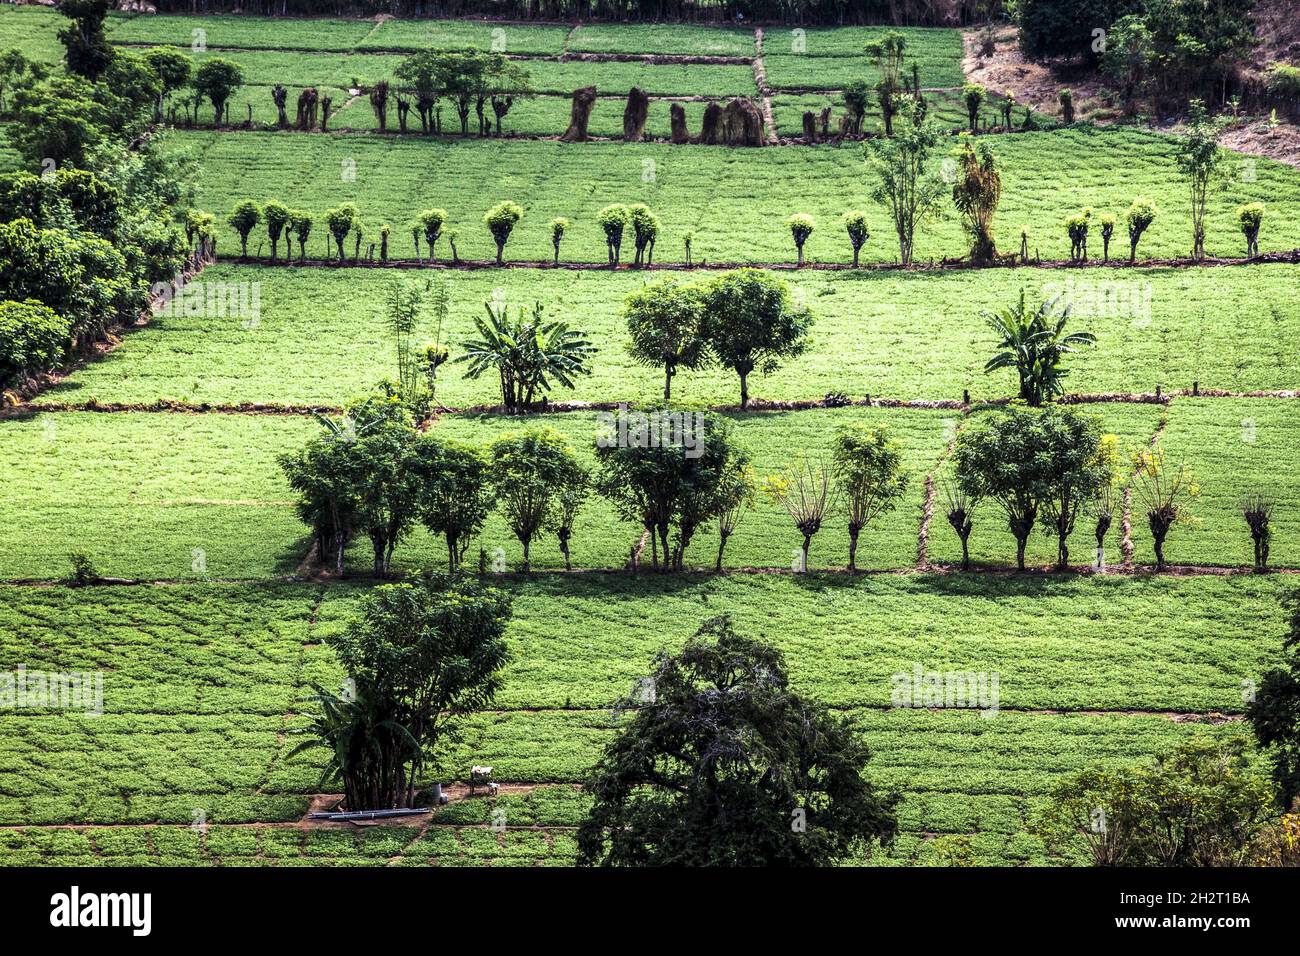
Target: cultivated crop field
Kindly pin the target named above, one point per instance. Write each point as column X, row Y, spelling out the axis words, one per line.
column 208, row 607
column 735, row 202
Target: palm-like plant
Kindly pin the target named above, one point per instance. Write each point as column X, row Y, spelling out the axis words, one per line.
column 527, row 353
column 1033, row 342
column 368, row 750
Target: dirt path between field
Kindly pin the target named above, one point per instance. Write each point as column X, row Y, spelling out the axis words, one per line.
column 1287, row 257
column 756, row 405
column 764, row 92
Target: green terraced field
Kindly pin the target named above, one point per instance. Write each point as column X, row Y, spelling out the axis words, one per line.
column 211, row 482
column 264, row 68
column 180, row 483
column 206, row 670
column 883, row 334
column 736, row 201
column 178, row 734
column 672, row 39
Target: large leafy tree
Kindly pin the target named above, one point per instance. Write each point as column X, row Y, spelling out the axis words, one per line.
column 421, row 655
column 672, row 484
column 88, row 52
column 531, row 472
column 173, row 69
column 1009, row 459
column 753, row 324
column 1051, row 28
column 453, row 493
column 868, row 465
column 60, row 120
column 724, row 765
column 1274, row 713
column 526, row 353
column 1082, row 466
column 216, row 80
column 906, row 184
column 665, row 321
column 336, row 473
column 1034, row 343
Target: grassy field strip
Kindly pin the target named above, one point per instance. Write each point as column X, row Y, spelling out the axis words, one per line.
column 199, row 680
column 736, row 201
column 1236, row 448
column 191, row 508
column 188, row 489
column 907, row 336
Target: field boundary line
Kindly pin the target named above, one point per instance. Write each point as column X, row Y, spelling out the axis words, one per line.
column 757, row 406
column 579, row 56
column 1286, row 257
column 933, row 569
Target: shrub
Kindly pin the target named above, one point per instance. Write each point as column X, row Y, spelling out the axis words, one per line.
column 1250, row 218
column 645, row 229
column 300, row 223
column 972, row 95
column 613, row 220
column 1139, row 217
column 801, row 226
column 1107, row 230
column 1202, row 804
column 859, row 230
column 1077, row 229
column 806, row 492
column 430, row 223
column 857, row 97
column 960, row 512
column 1066, row 99
column 33, row 338
column 1258, row 512
column 1164, row 492
column 501, row 219
column 558, row 227
column 81, row 571
column 340, row 221
column 276, row 215
column 976, row 194
column 243, row 220
column 1283, row 80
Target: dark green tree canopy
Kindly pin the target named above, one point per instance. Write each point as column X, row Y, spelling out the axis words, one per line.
column 724, row 765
